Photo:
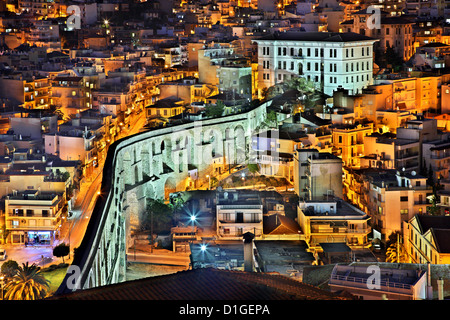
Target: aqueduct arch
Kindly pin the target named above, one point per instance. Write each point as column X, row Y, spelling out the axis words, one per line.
column 142, row 166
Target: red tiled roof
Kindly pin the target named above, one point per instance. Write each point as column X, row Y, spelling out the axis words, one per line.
column 280, row 224
column 206, row 284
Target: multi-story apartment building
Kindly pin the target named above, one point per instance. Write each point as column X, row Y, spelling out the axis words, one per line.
column 425, row 239
column 45, row 33
column 28, row 92
column 331, row 60
column 238, row 212
column 211, row 57
column 273, row 150
column 387, row 152
column 71, row 94
column 333, row 221
column 32, row 216
column 188, row 89
column 317, row 175
column 393, row 31
column 348, row 142
column 77, row 143
column 237, row 77
column 393, row 197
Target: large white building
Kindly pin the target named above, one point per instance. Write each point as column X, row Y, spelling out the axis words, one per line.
column 330, row 59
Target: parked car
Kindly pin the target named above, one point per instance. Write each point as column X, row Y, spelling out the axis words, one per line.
column 2, row 254
column 376, row 247
column 271, row 189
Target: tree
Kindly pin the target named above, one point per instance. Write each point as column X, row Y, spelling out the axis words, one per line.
column 9, row 268
column 393, row 59
column 253, row 168
column 61, row 250
column 395, row 251
column 393, row 256
column 215, row 110
column 271, row 120
column 27, row 284
column 159, row 215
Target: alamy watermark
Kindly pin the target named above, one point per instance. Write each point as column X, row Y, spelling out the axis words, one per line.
column 374, row 21
column 74, row 19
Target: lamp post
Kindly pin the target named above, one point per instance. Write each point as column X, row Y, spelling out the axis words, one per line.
column 209, row 181
column 2, row 281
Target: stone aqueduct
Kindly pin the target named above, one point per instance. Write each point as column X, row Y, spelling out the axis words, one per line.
column 150, row 165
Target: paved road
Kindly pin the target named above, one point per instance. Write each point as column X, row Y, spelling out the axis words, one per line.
column 75, row 227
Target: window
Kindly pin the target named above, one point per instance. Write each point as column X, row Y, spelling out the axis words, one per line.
column 405, row 198
column 404, row 211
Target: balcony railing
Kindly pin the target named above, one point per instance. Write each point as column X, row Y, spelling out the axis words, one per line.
column 362, row 282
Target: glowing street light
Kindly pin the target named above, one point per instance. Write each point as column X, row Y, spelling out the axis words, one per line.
column 193, row 218
column 203, row 247
column 209, row 181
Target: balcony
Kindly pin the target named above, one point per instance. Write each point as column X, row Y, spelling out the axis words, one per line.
column 441, row 156
column 407, row 155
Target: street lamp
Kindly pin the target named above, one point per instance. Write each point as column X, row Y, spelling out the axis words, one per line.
column 209, row 181
column 2, row 281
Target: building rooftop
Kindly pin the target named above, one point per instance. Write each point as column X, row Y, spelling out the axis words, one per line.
column 206, row 284
column 317, row 36
column 238, row 198
column 334, row 209
column 391, row 279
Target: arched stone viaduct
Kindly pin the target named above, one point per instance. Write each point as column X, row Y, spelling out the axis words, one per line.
column 147, row 165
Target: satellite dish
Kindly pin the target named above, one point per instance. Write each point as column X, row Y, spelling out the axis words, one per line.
column 413, row 173
column 403, row 169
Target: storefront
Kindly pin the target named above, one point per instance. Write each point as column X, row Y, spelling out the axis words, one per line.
column 32, row 237
column 40, row 237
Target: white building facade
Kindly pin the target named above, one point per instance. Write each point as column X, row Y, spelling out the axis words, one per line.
column 329, row 59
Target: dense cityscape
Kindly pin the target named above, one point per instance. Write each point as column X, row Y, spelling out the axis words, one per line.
column 224, row 150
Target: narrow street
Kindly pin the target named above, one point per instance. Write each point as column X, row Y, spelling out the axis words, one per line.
column 72, row 232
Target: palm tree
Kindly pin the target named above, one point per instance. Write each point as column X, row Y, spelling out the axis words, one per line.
column 393, row 256
column 27, row 284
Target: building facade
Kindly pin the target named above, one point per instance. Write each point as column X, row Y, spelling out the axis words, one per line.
column 330, row 60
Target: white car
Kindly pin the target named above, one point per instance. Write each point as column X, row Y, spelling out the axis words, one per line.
column 2, row 254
